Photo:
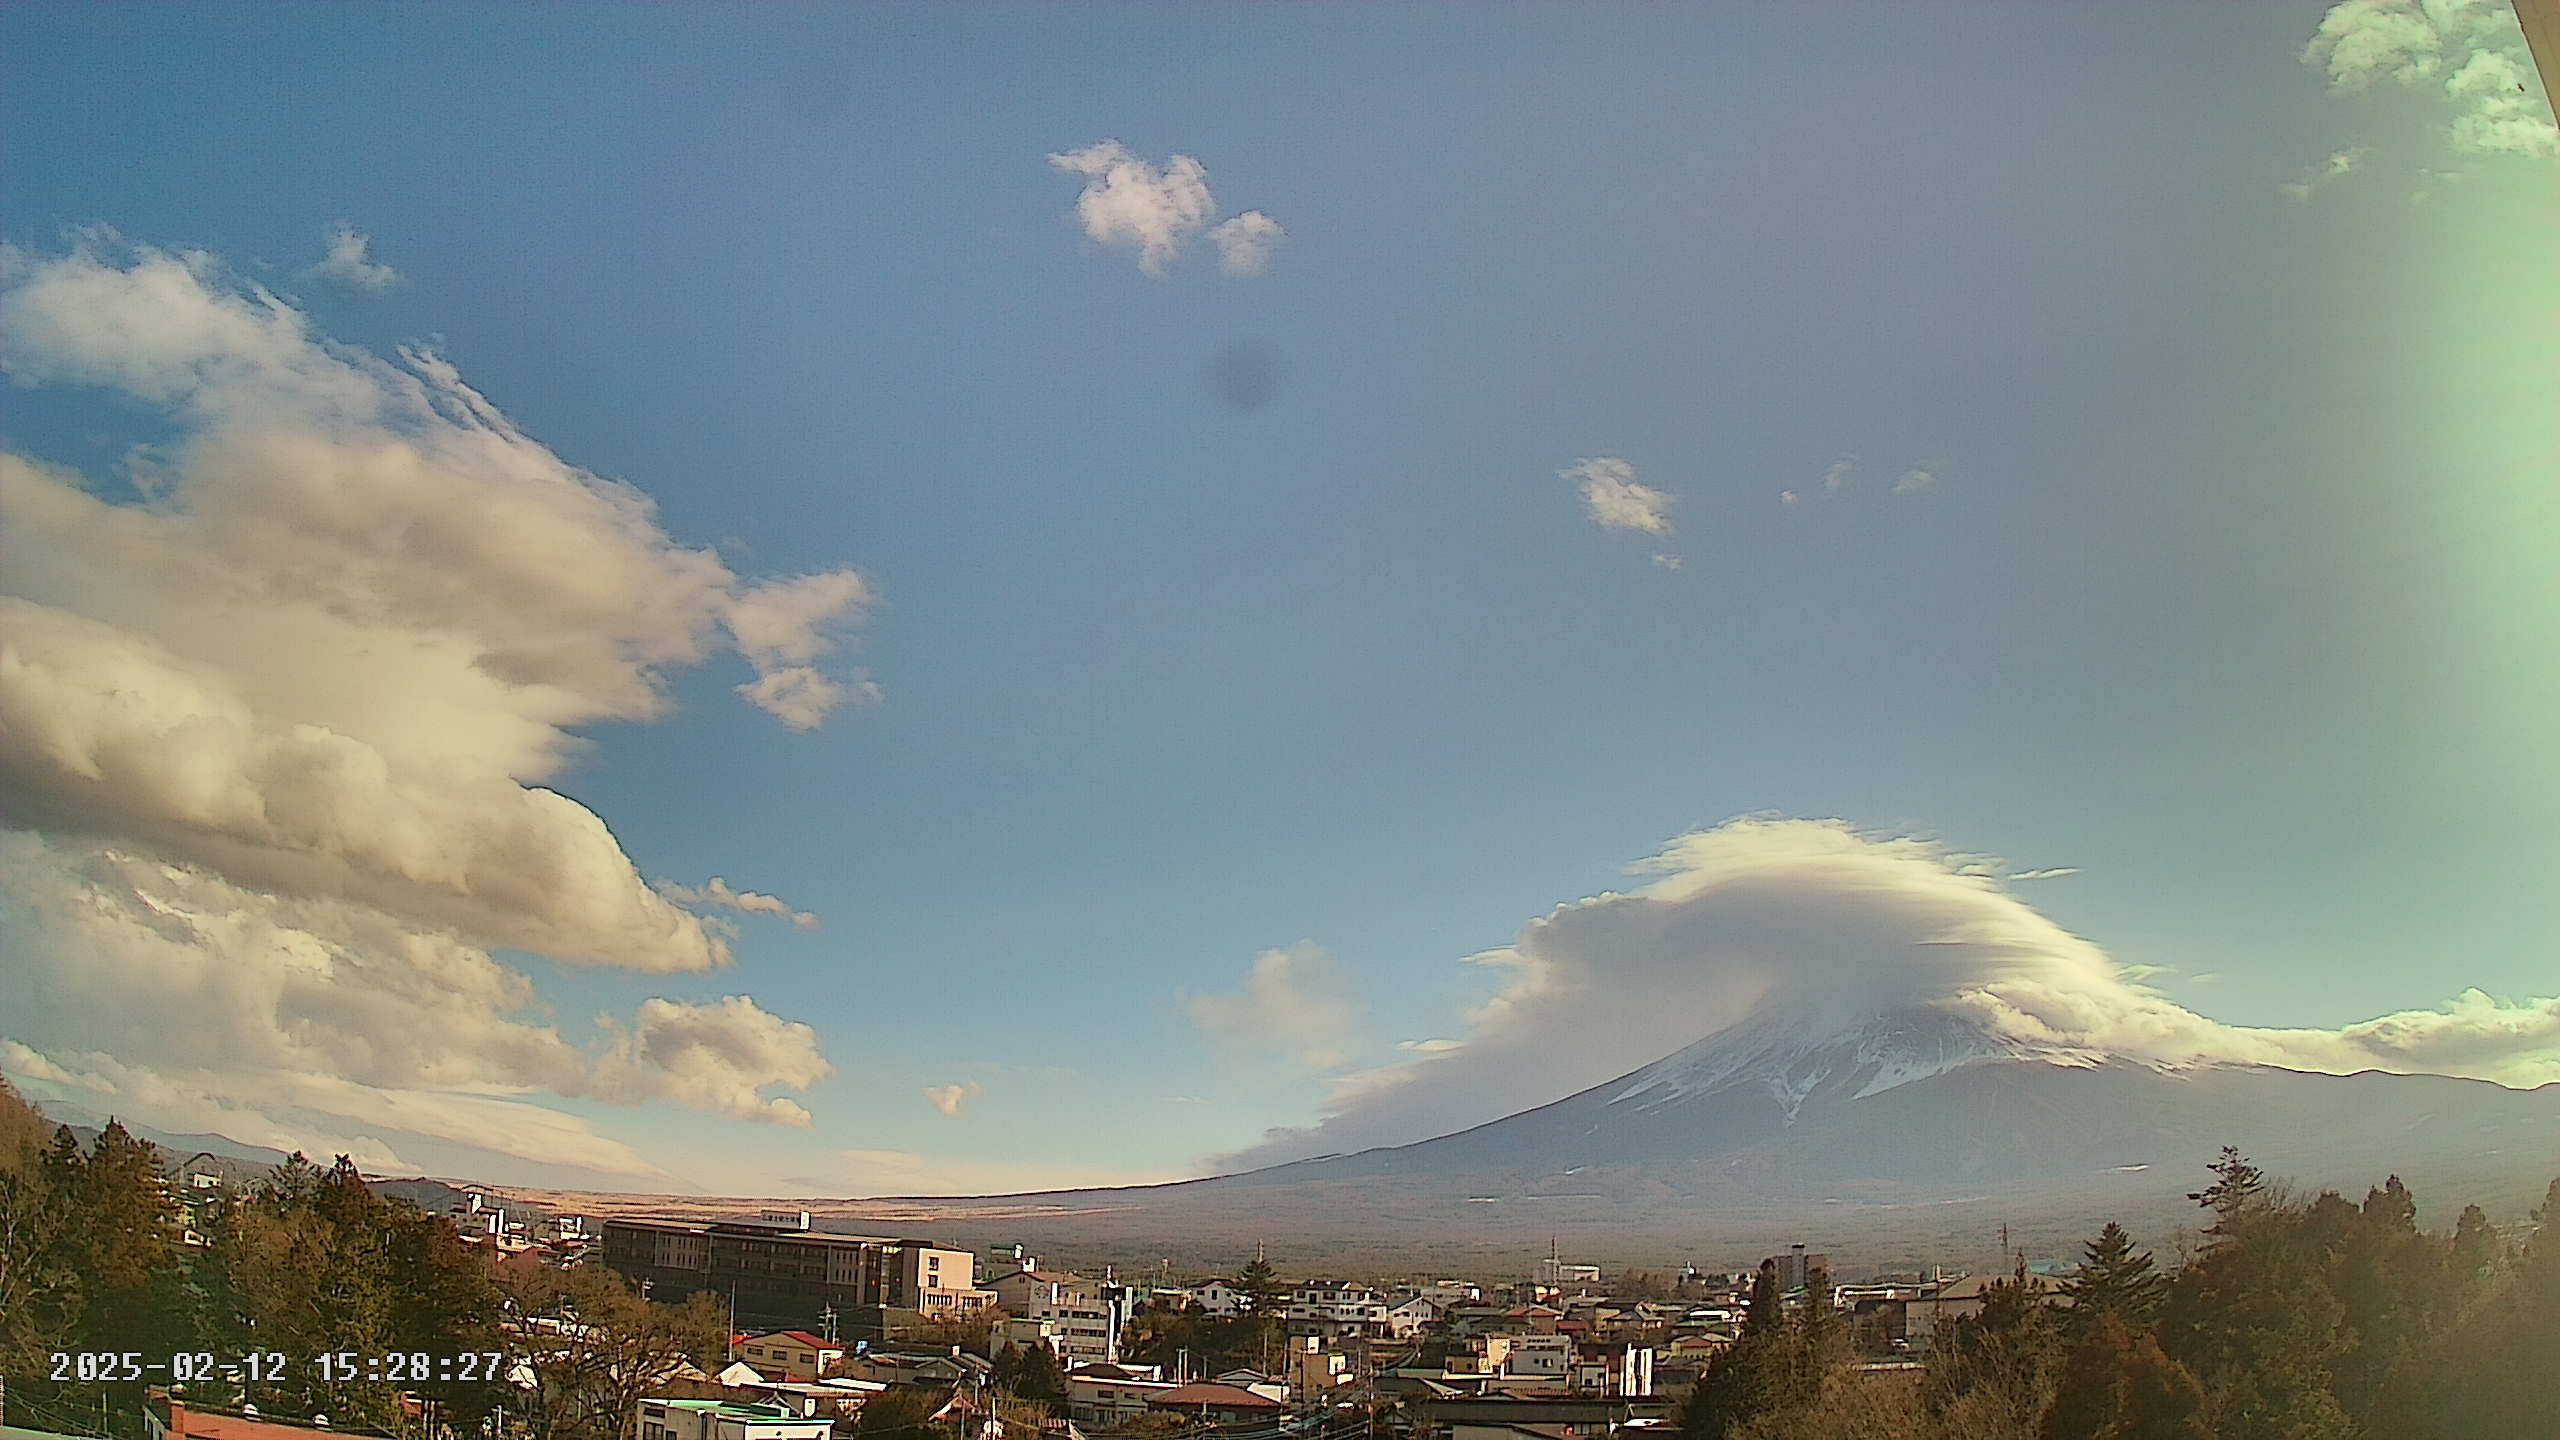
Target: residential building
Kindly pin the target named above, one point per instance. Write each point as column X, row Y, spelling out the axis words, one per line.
column 1110, row 1394
column 1219, row 1298
column 727, row 1420
column 789, row 1354
column 1084, row 1316
column 1411, row 1316
column 1212, row 1401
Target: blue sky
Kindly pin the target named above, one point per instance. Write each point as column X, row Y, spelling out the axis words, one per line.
column 2230, row 591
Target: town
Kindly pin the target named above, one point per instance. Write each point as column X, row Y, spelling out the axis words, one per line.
column 150, row 1298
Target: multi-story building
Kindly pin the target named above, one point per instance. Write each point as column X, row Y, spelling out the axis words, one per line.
column 1331, row 1308
column 784, row 1275
column 1796, row 1267
column 1083, row 1316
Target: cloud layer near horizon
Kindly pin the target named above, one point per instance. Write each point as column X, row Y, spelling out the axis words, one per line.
column 1814, row 914
column 275, row 710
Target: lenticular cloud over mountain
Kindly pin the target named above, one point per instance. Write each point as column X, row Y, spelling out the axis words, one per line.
column 1810, row 928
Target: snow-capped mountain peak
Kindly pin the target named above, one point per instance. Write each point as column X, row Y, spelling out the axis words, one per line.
column 1793, row 1054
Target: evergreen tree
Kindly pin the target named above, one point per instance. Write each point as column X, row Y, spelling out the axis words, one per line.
column 2237, row 1185
column 1040, row 1376
column 1765, row 1372
column 2115, row 1279
column 2475, row 1250
column 126, row 1230
column 2255, row 1317
column 1765, row 1311
column 2118, row 1385
column 1260, row 1287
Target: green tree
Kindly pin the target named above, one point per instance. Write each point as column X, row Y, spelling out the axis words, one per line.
column 1992, row 1372
column 903, row 1413
column 2475, row 1253
column 1765, row 1372
column 2236, row 1189
column 1040, row 1376
column 1260, row 1286
column 127, row 1234
column 2117, row 1384
column 2115, row 1279
column 39, row 1279
column 2255, row 1318
column 2491, row 1370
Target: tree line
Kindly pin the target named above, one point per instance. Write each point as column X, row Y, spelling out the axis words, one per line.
column 94, row 1259
column 2298, row 1319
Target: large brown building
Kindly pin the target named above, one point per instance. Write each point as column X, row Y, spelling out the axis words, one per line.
column 785, row 1275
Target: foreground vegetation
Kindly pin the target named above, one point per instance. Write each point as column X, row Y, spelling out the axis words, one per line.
column 2299, row 1319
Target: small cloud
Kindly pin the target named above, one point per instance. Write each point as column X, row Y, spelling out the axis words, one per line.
column 1433, row 1046
column 2141, row 973
column 1836, row 478
column 1915, row 482
column 350, row 261
column 718, row 895
column 1245, row 243
column 1184, row 1100
column 1616, row 500
column 1662, row 561
column 949, row 1098
column 2056, row 873
column 1294, row 1003
column 1790, row 499
column 2205, row 977
column 1157, row 210
column 2340, row 163
column 802, row 697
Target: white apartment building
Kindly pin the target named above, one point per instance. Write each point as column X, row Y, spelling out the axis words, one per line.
column 1083, row 1320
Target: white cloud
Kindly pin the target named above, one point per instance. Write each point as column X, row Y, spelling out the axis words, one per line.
column 1814, row 914
column 350, row 261
column 1836, row 478
column 1790, row 499
column 1616, row 500
column 1158, row 210
column 2477, row 49
column 1915, row 482
column 1662, row 561
column 1245, row 243
column 948, row 1099
column 1294, row 1004
column 2340, row 163
column 718, row 895
column 2055, row 873
column 190, row 975
column 283, row 719
column 1127, row 201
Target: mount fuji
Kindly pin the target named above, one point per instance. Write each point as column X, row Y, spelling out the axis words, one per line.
column 1909, row 1130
